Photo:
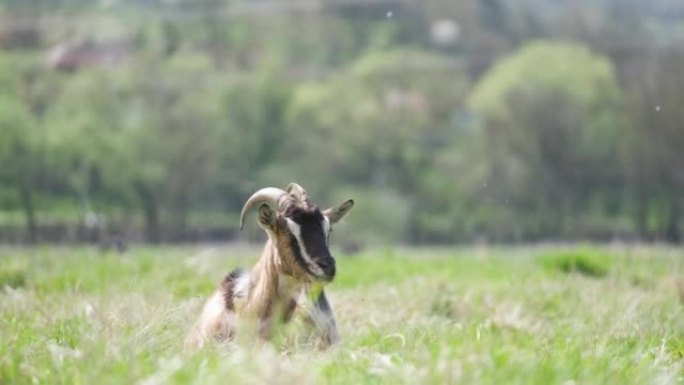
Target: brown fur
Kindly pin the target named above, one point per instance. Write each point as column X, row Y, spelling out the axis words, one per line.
column 228, row 287
column 265, row 297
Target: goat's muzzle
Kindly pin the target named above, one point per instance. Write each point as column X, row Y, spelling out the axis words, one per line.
column 327, row 265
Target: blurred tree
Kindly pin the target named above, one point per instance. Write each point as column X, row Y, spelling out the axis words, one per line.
column 550, row 124
column 378, row 124
column 217, row 98
column 91, row 146
column 654, row 150
column 253, row 109
column 19, row 142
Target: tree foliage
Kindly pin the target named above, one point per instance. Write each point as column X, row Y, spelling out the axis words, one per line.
column 447, row 121
column 553, row 130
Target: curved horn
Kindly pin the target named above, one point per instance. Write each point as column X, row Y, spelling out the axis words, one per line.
column 272, row 195
column 298, row 192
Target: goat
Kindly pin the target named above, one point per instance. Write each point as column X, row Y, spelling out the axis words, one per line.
column 288, row 277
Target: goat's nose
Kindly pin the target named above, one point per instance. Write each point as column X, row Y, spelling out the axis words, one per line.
column 328, row 266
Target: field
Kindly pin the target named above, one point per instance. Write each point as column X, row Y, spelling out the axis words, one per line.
column 524, row 315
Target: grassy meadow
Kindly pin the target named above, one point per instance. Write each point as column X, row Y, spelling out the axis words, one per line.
column 480, row 315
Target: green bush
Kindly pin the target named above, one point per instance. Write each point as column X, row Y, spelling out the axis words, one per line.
column 585, row 261
column 12, row 277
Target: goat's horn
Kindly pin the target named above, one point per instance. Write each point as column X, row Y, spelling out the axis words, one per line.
column 272, row 195
column 298, row 192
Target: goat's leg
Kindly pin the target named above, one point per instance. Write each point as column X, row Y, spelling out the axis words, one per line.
column 322, row 317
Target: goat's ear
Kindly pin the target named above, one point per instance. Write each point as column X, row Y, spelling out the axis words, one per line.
column 338, row 212
column 267, row 217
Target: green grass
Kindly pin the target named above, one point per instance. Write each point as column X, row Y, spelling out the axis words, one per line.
column 536, row 315
column 587, row 261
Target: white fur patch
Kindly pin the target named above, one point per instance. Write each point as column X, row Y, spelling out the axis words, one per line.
column 241, row 288
column 295, row 229
column 213, row 308
column 214, row 320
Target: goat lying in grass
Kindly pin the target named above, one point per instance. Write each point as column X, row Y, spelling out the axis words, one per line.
column 288, row 277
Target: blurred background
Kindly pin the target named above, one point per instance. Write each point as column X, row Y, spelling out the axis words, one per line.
column 449, row 121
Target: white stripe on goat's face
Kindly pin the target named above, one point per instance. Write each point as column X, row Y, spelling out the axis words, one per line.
column 310, row 235
column 296, row 230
